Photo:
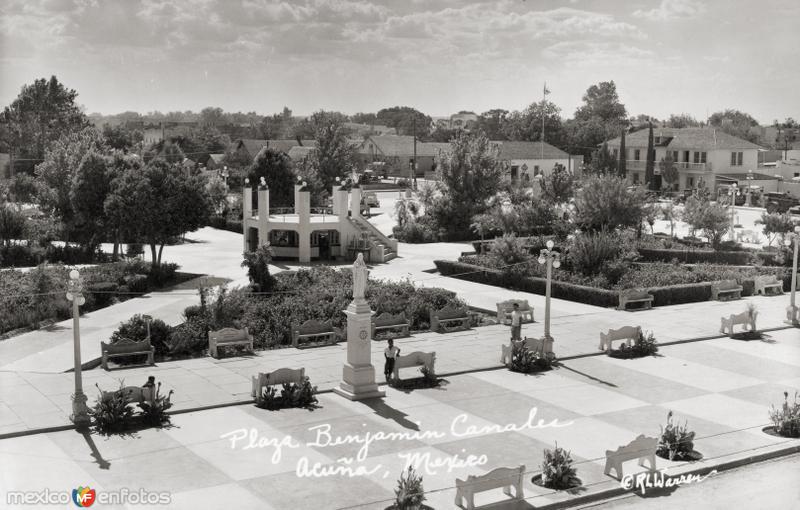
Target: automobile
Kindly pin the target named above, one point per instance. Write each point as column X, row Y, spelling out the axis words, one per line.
column 779, row 202
column 370, row 199
column 794, row 213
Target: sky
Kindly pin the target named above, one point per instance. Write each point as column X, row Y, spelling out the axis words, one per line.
column 440, row 56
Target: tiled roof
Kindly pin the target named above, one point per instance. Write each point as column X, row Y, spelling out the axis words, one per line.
column 251, row 145
column 297, row 152
column 529, row 150
column 218, row 158
column 706, row 138
column 397, row 145
column 285, row 145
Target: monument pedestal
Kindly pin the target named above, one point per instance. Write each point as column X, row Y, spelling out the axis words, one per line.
column 358, row 374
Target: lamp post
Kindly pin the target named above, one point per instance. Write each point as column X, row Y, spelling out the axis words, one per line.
column 553, row 260
column 792, row 313
column 80, row 413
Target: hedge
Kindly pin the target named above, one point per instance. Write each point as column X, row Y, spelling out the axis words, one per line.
column 223, row 223
column 736, row 258
column 534, row 285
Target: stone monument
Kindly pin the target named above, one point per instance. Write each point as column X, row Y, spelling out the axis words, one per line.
column 358, row 374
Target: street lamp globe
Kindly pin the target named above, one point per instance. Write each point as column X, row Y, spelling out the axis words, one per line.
column 556, row 263
column 542, row 260
column 246, row 181
column 74, row 274
column 550, row 244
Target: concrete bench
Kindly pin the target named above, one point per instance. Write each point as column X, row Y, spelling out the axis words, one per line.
column 540, row 345
column 727, row 288
column 768, row 283
column 448, row 315
column 629, row 296
column 642, row 448
column 746, row 319
column 629, row 333
column 126, row 347
column 280, row 376
column 132, row 394
column 228, row 336
column 314, row 329
column 505, row 308
column 388, row 322
column 415, row 359
column 499, row 478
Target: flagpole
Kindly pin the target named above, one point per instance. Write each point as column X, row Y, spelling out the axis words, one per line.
column 544, row 98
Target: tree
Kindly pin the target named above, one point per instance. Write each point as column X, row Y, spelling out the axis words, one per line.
column 470, row 172
column 672, row 215
column 12, row 224
column 683, row 120
column 212, row 116
column 364, row 118
column 602, row 161
column 602, row 101
column 257, row 263
column 56, row 173
column 276, row 169
column 605, row 203
column 44, row 112
column 710, row 217
column 334, row 156
column 405, row 120
column 527, row 125
column 492, row 123
column 622, row 167
column 217, row 192
column 649, row 169
column 119, row 137
column 775, row 225
column 558, row 185
column 157, row 204
column 669, row 172
column 90, row 188
column 735, row 123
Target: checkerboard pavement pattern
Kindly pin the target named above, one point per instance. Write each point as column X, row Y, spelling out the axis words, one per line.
column 723, row 388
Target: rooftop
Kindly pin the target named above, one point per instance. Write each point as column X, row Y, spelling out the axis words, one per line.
column 529, row 150
column 707, row 138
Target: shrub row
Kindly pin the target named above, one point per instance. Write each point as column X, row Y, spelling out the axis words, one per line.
column 21, row 255
column 534, row 285
column 737, row 258
column 223, row 223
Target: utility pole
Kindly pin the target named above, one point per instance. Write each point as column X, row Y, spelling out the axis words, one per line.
column 414, row 164
column 544, row 99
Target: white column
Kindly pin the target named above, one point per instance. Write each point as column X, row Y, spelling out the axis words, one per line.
column 263, row 215
column 303, row 210
column 355, row 202
column 247, row 213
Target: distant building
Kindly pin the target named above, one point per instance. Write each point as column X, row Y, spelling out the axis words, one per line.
column 358, row 129
column 398, row 154
column 705, row 154
column 526, row 160
column 463, row 120
column 215, row 161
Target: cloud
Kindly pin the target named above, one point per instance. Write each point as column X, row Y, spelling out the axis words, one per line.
column 602, row 54
column 672, row 10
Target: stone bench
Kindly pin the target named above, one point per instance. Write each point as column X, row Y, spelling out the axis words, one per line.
column 629, row 296
column 642, row 448
column 126, row 347
column 314, row 329
column 415, row 359
column 505, row 308
column 629, row 333
column 768, row 283
column 540, row 345
column 226, row 337
column 132, row 394
column 498, row 478
column 448, row 315
column 388, row 322
column 727, row 288
column 746, row 319
column 280, row 376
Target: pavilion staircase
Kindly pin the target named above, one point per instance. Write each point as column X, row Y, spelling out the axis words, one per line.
column 375, row 237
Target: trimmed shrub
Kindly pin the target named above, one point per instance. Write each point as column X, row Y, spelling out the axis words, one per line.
column 409, row 494
column 135, row 329
column 738, row 258
column 188, row 338
column 138, row 283
column 104, row 293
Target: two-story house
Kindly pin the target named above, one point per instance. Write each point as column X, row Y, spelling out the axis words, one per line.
column 704, row 155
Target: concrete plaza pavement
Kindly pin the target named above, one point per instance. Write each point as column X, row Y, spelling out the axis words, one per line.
column 723, row 388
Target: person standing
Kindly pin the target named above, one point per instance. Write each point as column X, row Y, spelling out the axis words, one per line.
column 390, row 353
column 516, row 323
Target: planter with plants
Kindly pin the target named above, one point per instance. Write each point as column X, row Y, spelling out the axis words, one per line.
column 748, row 320
column 526, row 360
column 113, row 411
column 677, row 442
column 301, row 395
column 558, row 473
column 786, row 418
column 645, row 345
column 428, row 379
column 409, row 493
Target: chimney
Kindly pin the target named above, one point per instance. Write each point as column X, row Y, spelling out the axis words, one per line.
column 299, row 140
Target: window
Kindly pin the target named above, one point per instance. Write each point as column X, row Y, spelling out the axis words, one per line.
column 736, row 158
column 636, row 154
column 675, row 156
column 733, row 159
column 636, row 178
column 690, row 182
column 797, row 174
column 702, row 157
column 616, row 153
column 696, row 157
column 685, row 156
column 740, row 159
column 657, row 140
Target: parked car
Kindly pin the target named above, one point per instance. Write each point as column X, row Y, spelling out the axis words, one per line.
column 794, row 213
column 370, row 199
column 779, row 202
